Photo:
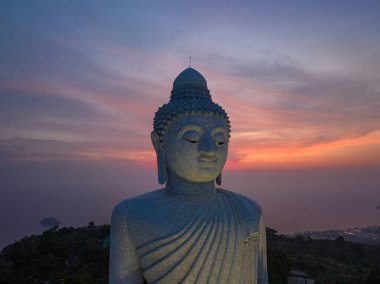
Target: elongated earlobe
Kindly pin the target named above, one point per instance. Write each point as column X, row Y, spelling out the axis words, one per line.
column 161, row 164
column 162, row 171
column 219, row 179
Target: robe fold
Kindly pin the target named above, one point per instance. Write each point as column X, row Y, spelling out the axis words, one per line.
column 213, row 237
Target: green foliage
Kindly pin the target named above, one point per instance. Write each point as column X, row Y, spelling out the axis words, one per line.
column 79, row 256
column 278, row 267
column 327, row 261
column 66, row 255
column 374, row 276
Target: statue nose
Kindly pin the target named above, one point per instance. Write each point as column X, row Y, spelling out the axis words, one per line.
column 206, row 145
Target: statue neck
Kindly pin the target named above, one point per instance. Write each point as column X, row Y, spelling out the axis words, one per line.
column 178, row 185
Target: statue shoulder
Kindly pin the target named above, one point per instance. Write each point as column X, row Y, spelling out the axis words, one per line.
column 242, row 200
column 136, row 205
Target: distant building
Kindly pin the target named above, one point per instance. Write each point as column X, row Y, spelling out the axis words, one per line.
column 299, row 277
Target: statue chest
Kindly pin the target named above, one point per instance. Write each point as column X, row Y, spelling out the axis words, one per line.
column 201, row 242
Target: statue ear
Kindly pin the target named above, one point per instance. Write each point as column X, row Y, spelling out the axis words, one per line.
column 161, row 164
column 219, row 179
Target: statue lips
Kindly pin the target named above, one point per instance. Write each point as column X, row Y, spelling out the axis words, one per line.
column 207, row 160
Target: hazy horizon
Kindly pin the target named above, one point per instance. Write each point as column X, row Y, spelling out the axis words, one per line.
column 77, row 192
column 80, row 82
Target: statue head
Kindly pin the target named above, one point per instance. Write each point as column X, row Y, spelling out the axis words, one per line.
column 191, row 133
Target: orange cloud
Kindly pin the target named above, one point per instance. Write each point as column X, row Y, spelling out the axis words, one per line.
column 360, row 151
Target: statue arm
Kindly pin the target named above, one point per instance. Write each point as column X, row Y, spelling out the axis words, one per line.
column 262, row 260
column 124, row 265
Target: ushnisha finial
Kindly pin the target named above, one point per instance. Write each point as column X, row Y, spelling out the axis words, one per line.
column 190, row 62
column 191, row 96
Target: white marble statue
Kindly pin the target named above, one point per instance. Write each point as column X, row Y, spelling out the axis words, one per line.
column 190, row 231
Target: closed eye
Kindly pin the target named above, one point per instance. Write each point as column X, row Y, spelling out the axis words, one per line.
column 191, row 136
column 191, row 141
column 219, row 138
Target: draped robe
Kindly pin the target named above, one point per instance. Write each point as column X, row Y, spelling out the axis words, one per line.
column 210, row 237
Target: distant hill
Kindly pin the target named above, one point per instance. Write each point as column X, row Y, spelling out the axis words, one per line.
column 80, row 256
column 366, row 235
column 49, row 222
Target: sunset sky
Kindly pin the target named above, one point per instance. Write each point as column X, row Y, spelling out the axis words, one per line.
column 80, row 82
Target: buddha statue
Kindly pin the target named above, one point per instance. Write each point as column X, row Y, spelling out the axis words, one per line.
column 189, row 231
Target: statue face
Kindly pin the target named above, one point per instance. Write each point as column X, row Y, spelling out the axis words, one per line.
column 196, row 147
